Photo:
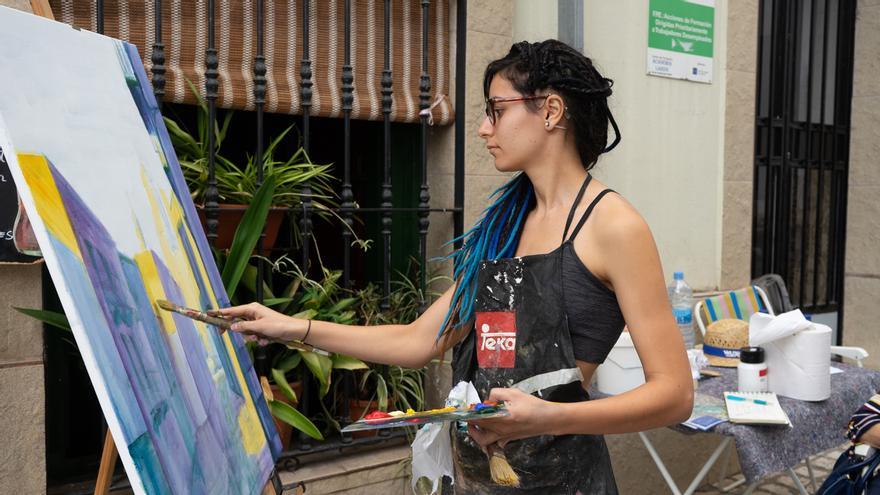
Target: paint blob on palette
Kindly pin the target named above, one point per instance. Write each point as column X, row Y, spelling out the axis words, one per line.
column 378, row 420
column 93, row 163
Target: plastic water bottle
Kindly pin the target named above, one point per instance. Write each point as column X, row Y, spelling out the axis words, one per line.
column 681, row 298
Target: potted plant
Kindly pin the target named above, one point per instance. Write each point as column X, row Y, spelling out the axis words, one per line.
column 237, row 184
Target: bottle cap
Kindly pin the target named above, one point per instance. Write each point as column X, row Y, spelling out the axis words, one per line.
column 751, row 355
column 678, row 276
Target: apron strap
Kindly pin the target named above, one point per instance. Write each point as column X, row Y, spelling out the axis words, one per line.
column 580, row 224
column 550, row 379
column 577, row 201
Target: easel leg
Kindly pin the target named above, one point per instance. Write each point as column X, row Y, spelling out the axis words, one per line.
column 108, row 465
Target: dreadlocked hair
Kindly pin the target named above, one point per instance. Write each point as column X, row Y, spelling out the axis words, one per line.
column 551, row 65
column 493, row 237
column 531, row 68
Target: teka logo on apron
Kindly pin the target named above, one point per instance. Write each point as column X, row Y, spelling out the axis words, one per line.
column 496, row 339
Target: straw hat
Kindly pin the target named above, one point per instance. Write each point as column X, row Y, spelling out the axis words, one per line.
column 723, row 340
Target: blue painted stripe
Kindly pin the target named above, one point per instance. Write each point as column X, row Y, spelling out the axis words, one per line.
column 761, row 308
column 712, row 314
column 735, row 305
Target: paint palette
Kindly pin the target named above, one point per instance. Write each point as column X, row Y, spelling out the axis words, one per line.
column 378, row 420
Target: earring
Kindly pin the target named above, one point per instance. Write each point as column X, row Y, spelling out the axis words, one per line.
column 547, row 124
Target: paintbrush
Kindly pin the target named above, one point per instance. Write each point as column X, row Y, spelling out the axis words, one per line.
column 212, row 318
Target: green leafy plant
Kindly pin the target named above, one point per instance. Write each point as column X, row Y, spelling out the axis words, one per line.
column 318, row 300
column 396, row 387
column 238, row 183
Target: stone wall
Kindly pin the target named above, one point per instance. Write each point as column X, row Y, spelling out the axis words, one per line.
column 22, row 394
column 739, row 137
column 862, row 279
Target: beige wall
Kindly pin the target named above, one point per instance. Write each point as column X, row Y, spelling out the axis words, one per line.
column 862, row 279
column 535, row 20
column 669, row 163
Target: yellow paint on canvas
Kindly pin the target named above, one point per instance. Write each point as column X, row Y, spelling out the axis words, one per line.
column 200, row 266
column 253, row 438
column 252, row 435
column 153, row 286
column 35, row 169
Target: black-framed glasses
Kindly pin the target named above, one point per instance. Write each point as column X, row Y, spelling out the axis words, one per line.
column 494, row 114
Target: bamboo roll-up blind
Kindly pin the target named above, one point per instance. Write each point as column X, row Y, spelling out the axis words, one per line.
column 184, row 33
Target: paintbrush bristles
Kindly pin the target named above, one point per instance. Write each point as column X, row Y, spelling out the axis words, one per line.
column 501, row 471
column 167, row 306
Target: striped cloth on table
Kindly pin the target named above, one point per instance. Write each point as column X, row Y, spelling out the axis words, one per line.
column 739, row 304
column 867, row 416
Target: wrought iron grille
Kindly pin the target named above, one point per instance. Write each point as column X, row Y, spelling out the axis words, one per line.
column 802, row 133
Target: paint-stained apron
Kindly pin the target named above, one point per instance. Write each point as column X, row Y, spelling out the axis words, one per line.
column 521, row 340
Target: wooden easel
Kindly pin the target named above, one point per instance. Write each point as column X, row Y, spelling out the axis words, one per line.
column 107, row 466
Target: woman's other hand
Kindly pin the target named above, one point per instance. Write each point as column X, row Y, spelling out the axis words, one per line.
column 261, row 324
column 529, row 417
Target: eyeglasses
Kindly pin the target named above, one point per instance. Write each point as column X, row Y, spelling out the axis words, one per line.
column 494, row 113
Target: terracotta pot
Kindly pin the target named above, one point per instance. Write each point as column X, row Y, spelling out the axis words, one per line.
column 285, row 430
column 230, row 216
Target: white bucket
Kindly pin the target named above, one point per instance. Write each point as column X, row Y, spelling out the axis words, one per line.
column 622, row 370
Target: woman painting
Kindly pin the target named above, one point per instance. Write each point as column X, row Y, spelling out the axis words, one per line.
column 544, row 284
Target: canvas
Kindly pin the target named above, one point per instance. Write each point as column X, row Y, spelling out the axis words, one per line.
column 114, row 219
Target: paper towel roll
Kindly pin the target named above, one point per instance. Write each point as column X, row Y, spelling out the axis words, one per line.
column 799, row 366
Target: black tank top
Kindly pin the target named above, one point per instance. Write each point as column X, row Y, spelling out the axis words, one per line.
column 594, row 316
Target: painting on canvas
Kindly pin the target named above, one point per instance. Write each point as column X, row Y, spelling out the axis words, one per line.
column 96, row 172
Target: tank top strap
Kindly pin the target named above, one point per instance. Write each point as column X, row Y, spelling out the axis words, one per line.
column 577, row 201
column 583, row 219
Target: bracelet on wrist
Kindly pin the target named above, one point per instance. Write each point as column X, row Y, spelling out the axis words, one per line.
column 308, row 329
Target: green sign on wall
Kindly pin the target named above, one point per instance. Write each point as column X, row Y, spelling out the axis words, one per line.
column 680, row 39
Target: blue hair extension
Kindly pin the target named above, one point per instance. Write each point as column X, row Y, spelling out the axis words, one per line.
column 501, row 223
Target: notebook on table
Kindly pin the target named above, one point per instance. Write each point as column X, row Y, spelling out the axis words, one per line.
column 755, row 408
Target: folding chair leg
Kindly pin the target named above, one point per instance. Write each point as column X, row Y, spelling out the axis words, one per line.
column 724, row 465
column 751, row 488
column 700, row 475
column 659, row 462
column 797, row 482
column 812, row 475
column 708, row 465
